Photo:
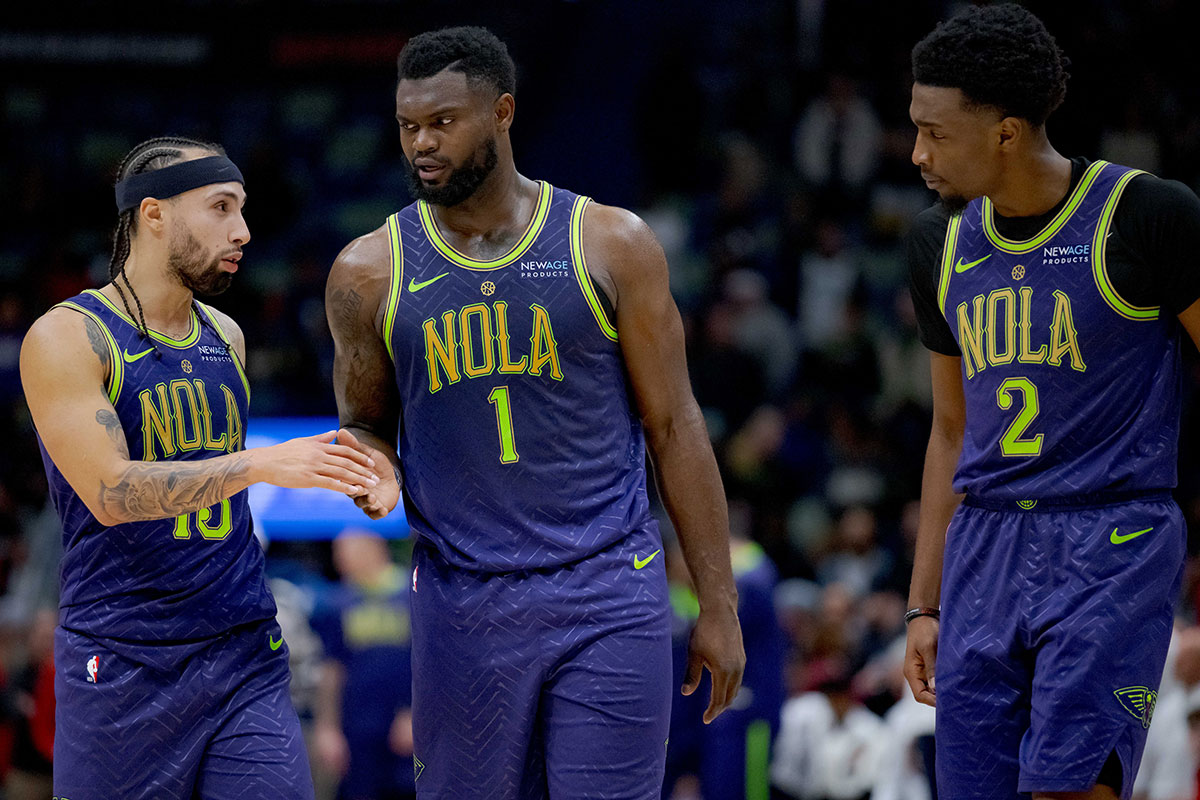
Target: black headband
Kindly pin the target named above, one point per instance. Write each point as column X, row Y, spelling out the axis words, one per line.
column 175, row 179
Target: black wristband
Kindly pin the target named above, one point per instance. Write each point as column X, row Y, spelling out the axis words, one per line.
column 922, row 611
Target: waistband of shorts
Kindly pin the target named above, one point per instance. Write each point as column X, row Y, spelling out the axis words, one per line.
column 1072, row 503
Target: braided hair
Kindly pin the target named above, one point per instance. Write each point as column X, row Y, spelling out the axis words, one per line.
column 148, row 156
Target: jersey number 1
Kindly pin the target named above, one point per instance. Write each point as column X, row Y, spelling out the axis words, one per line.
column 1011, row 443
column 504, row 425
column 202, row 520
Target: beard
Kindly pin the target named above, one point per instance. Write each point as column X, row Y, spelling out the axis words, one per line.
column 463, row 180
column 953, row 203
column 196, row 268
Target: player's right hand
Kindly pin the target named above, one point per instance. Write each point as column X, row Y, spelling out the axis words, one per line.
column 920, row 659
column 316, row 462
column 383, row 497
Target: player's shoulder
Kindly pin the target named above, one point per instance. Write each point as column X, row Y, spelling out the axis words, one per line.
column 62, row 325
column 616, row 226
column 1152, row 194
column 619, row 239
column 60, row 339
column 931, row 223
column 367, row 257
column 229, row 327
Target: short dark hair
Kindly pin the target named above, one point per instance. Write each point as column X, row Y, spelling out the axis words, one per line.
column 473, row 51
column 1000, row 56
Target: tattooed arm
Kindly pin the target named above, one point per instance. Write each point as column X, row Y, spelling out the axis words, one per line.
column 363, row 379
column 64, row 364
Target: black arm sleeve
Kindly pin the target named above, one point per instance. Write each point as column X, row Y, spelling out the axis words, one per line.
column 1157, row 228
column 925, row 241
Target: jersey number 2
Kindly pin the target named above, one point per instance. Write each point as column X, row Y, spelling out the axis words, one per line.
column 1011, row 443
column 202, row 520
column 504, row 425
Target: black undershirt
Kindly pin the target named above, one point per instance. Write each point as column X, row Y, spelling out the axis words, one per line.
column 1150, row 254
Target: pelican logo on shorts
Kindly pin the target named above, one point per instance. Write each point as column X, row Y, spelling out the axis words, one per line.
column 93, row 669
column 1138, row 701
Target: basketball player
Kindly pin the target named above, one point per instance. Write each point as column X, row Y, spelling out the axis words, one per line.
column 1053, row 293
column 171, row 677
column 516, row 339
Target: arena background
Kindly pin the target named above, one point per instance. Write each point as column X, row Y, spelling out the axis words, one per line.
column 766, row 142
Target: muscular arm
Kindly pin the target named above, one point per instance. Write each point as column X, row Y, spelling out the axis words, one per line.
column 364, row 382
column 938, row 503
column 650, row 333
column 64, row 364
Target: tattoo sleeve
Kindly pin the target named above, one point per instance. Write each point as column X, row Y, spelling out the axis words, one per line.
column 98, row 342
column 363, row 381
column 115, row 432
column 148, row 491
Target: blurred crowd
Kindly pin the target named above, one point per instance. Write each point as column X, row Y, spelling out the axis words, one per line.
column 769, row 150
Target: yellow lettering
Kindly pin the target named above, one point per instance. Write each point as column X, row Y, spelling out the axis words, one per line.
column 483, row 314
column 1028, row 356
column 182, row 391
column 233, row 420
column 441, row 353
column 206, row 420
column 543, row 349
column 1064, row 340
column 970, row 336
column 998, row 328
column 157, row 424
column 507, row 365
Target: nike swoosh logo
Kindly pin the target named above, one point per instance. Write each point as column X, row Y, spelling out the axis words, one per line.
column 1115, row 539
column 413, row 286
column 961, row 267
column 130, row 359
column 638, row 563
column 275, row 645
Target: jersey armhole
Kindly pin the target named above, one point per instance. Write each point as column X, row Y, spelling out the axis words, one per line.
column 395, row 281
column 116, row 374
column 948, row 248
column 1099, row 265
column 237, row 362
column 582, row 276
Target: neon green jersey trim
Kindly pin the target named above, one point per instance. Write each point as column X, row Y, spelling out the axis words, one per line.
column 1060, row 219
column 527, row 239
column 948, row 260
column 116, row 376
column 758, row 756
column 397, row 282
column 581, row 272
column 237, row 361
column 178, row 344
column 1099, row 265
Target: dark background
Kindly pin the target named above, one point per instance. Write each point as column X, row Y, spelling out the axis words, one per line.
column 802, row 343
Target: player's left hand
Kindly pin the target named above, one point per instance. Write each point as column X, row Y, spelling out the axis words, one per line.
column 378, row 501
column 716, row 643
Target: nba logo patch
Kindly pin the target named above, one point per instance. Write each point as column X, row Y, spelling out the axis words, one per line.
column 93, row 669
column 415, row 576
